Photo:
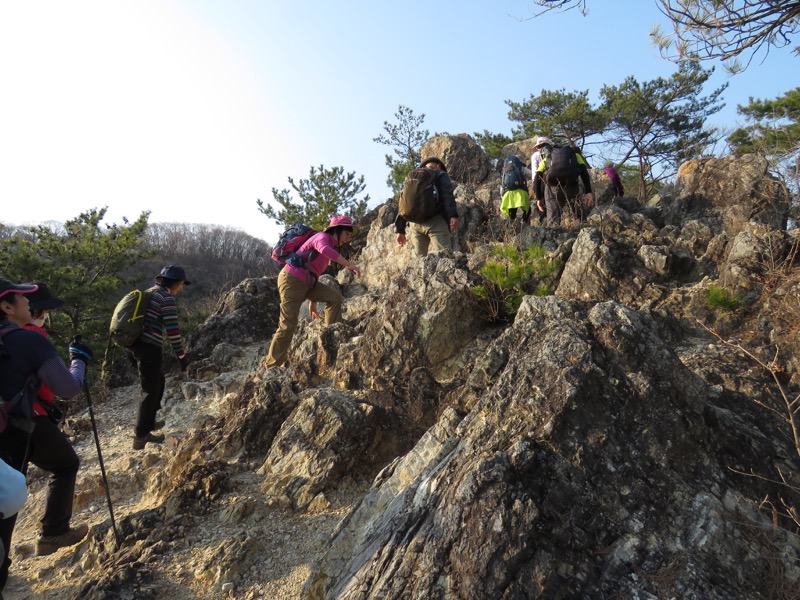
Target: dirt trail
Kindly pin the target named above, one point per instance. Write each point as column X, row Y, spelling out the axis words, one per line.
column 241, row 546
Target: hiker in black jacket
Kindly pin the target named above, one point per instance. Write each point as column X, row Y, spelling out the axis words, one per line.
column 25, row 354
column 434, row 234
column 552, row 195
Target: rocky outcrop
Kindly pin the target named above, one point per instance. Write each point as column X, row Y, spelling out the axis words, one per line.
column 588, row 452
column 407, row 343
column 522, row 149
column 247, row 313
column 592, row 464
column 326, row 441
column 730, row 192
column 466, row 162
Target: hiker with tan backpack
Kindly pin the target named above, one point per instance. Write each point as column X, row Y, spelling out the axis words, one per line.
column 428, row 204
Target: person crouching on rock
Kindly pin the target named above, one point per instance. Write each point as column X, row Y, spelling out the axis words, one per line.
column 299, row 283
column 25, row 354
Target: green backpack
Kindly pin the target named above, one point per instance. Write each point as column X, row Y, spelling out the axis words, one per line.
column 128, row 318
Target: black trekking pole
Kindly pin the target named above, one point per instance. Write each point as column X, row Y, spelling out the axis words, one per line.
column 102, row 466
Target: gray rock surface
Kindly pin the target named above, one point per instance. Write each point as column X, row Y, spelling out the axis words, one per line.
column 593, row 464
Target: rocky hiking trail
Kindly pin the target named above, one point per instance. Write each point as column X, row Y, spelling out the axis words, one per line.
column 619, row 438
column 243, row 548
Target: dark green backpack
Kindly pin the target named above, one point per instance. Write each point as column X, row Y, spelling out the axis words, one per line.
column 128, row 318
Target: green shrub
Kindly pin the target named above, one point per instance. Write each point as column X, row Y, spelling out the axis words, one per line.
column 511, row 277
column 717, row 297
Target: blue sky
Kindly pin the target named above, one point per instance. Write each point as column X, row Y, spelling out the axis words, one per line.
column 193, row 109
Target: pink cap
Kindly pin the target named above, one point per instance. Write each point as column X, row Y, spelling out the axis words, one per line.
column 341, row 221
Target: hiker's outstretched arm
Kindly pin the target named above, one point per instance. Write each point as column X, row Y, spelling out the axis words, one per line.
column 348, row 265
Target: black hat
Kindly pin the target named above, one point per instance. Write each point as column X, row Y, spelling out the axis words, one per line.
column 434, row 159
column 174, row 272
column 9, row 287
column 42, row 299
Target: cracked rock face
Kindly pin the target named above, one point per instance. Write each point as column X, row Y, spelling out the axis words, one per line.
column 595, row 463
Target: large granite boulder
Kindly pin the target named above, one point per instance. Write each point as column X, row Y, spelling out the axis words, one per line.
column 465, row 160
column 729, row 192
column 247, row 313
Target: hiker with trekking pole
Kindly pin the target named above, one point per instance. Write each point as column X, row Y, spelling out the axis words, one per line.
column 28, row 359
column 41, row 302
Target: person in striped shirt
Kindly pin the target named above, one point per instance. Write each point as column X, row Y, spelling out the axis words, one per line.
column 145, row 354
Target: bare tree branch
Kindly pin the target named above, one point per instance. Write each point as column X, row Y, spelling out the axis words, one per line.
column 714, row 29
column 708, row 29
column 560, row 6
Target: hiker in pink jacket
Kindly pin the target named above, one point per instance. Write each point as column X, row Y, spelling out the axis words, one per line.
column 297, row 284
column 616, row 182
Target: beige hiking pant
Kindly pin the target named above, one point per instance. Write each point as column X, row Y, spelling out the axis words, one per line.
column 433, row 235
column 293, row 292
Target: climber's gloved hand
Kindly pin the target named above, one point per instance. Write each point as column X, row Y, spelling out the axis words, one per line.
column 80, row 351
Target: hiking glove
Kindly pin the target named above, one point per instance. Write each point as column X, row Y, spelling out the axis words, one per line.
column 80, row 351
column 184, row 363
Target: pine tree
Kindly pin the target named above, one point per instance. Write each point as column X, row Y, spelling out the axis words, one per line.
column 406, row 138
column 559, row 114
column 774, row 131
column 82, row 263
column 661, row 123
column 326, row 193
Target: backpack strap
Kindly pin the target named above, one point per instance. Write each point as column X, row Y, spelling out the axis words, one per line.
column 29, row 390
column 5, row 330
column 309, row 273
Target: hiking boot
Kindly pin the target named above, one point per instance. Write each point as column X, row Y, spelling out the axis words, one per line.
column 47, row 544
column 159, row 424
column 139, row 442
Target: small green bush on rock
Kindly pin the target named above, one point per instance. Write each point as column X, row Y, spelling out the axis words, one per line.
column 717, row 297
column 511, row 277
